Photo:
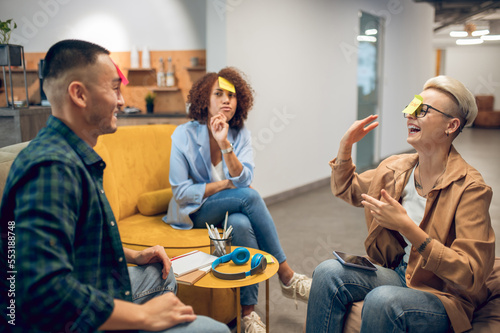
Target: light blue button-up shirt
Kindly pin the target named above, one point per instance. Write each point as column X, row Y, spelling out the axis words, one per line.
column 190, row 169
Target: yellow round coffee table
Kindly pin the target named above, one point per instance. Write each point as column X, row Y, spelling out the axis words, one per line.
column 210, row 281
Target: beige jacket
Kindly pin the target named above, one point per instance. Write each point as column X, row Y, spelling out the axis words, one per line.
column 456, row 218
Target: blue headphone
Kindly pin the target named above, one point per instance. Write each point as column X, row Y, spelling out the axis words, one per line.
column 240, row 256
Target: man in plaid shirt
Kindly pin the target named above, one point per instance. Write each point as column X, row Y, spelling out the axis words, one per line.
column 67, row 259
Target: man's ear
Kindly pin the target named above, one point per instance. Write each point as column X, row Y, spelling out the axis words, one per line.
column 78, row 93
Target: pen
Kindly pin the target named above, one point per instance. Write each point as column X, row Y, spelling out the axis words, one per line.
column 228, row 232
column 225, row 226
column 211, row 235
column 222, row 244
column 215, row 235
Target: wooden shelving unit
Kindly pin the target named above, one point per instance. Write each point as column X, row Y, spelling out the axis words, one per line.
column 164, row 89
column 169, row 100
column 195, row 73
column 196, row 68
column 141, row 77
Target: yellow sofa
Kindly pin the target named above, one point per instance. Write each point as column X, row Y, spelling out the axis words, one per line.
column 136, row 180
column 137, row 187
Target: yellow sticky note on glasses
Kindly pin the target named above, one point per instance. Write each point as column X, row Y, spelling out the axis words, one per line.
column 226, row 85
column 414, row 105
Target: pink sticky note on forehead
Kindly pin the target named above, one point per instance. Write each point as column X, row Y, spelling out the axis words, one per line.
column 120, row 74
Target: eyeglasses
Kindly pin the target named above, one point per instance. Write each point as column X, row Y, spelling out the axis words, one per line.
column 422, row 111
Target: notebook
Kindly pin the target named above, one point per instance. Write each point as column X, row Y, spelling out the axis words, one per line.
column 192, row 261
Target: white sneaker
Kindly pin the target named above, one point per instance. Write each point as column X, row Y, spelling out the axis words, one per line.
column 298, row 288
column 253, row 324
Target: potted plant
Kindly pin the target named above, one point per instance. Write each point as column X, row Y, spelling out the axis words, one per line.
column 9, row 50
column 150, row 101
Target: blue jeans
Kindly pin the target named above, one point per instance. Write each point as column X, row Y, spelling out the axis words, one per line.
column 252, row 224
column 147, row 282
column 390, row 306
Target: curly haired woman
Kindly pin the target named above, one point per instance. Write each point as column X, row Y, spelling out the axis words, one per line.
column 211, row 169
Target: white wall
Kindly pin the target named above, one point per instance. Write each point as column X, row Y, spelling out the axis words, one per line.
column 409, row 62
column 216, row 35
column 301, row 58
column 477, row 67
column 114, row 24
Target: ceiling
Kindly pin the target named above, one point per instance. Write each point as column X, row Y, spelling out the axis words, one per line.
column 454, row 14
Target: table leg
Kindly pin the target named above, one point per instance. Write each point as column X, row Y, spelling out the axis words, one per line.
column 267, row 306
column 212, row 302
column 238, row 311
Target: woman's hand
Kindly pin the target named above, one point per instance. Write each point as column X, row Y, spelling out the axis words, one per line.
column 355, row 133
column 390, row 214
column 359, row 129
column 393, row 216
column 215, row 187
column 219, row 128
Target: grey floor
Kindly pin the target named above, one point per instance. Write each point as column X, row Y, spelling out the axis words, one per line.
column 311, row 225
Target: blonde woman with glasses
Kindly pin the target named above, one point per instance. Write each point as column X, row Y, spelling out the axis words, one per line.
column 429, row 229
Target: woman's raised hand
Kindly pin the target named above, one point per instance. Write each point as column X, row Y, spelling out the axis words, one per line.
column 219, row 127
column 355, row 133
column 359, row 129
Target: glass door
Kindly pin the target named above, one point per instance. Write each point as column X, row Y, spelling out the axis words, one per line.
column 369, row 41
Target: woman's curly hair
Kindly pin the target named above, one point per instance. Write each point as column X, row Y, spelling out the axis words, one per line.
column 199, row 96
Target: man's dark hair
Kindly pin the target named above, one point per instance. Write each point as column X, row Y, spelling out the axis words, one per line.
column 69, row 54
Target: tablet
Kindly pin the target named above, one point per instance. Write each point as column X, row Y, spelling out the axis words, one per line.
column 352, row 260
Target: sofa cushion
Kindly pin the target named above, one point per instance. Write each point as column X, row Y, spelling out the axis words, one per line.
column 7, row 156
column 137, row 161
column 353, row 320
column 154, row 203
column 487, row 318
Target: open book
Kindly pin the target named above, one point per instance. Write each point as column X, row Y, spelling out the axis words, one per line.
column 192, row 261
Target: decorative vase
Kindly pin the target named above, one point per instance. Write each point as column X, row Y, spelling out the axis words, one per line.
column 134, row 57
column 146, row 60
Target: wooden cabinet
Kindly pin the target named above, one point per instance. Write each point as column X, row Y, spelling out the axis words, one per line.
column 20, row 125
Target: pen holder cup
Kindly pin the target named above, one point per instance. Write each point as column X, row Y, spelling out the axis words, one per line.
column 220, row 247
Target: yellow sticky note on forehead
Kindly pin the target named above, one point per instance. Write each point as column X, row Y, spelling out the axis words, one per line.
column 226, row 85
column 414, row 105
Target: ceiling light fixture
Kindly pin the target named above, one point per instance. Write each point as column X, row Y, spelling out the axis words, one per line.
column 370, row 32
column 480, row 32
column 459, row 34
column 362, row 38
column 490, row 37
column 471, row 41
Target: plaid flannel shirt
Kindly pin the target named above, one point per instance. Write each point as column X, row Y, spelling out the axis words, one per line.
column 69, row 259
